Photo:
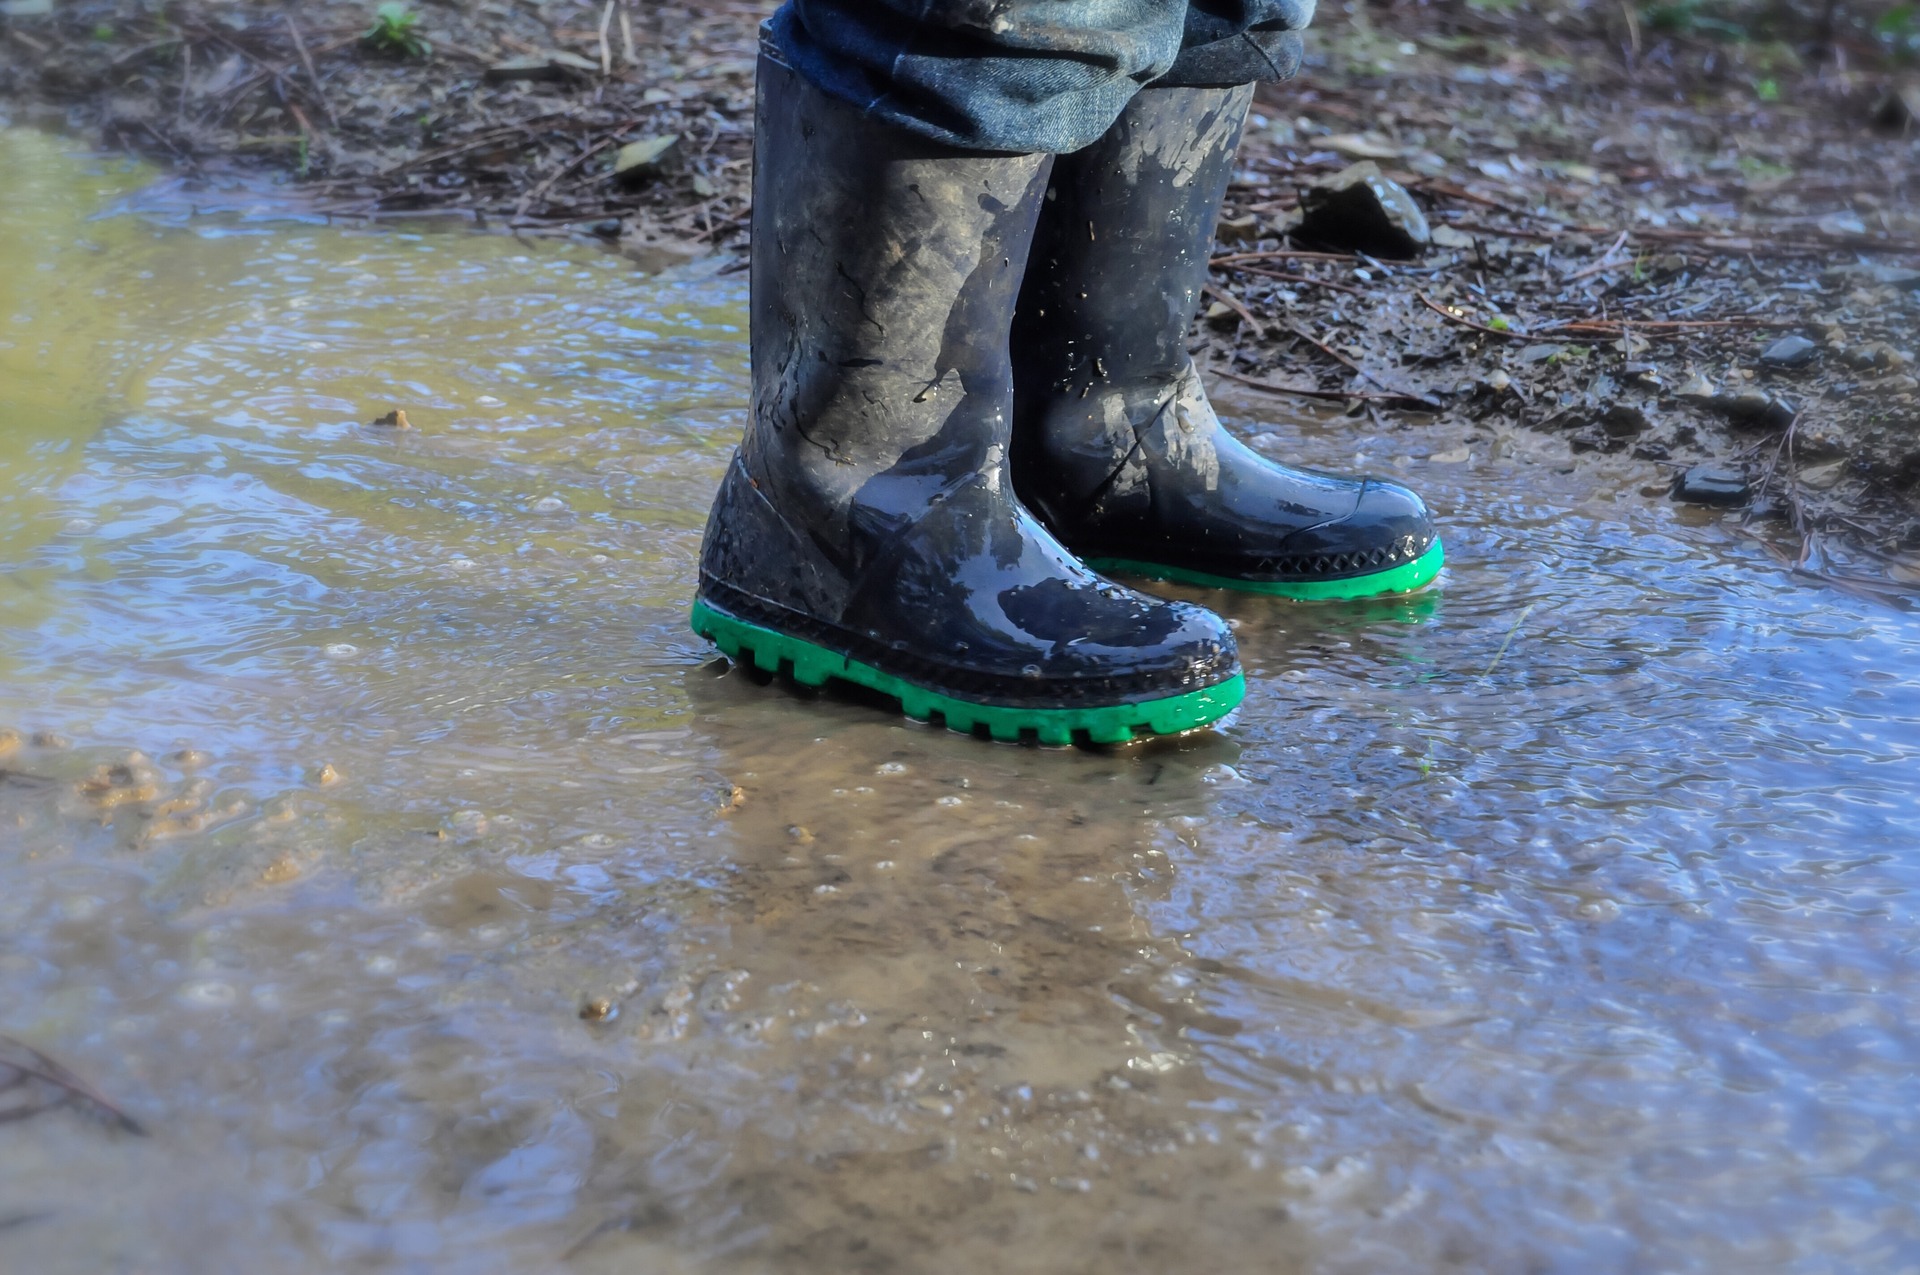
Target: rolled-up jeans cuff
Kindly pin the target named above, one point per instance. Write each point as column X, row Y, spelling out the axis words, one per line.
column 1247, row 58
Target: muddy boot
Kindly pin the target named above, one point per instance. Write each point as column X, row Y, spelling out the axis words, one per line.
column 1115, row 445
column 866, row 529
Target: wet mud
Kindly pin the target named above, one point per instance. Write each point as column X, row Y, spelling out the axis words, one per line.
column 373, row 832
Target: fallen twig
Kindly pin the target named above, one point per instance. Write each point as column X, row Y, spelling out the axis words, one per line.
column 26, row 1061
column 1300, row 278
column 1613, row 327
column 1606, row 262
column 306, row 60
column 1337, row 396
column 1237, row 306
column 527, row 201
column 1451, row 317
column 1280, row 254
column 1396, row 390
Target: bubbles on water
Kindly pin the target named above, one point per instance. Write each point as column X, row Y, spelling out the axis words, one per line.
column 340, row 650
column 209, row 994
column 949, row 800
column 549, row 505
column 469, row 822
column 488, row 400
column 462, row 564
column 79, row 907
column 891, row 768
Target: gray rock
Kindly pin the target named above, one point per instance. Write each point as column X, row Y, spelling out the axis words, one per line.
column 642, row 161
column 1756, row 407
column 1624, row 420
column 1711, row 485
column 1700, row 390
column 1876, row 355
column 1789, row 351
column 1360, row 209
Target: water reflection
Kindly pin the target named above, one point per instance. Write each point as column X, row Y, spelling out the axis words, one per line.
column 457, row 911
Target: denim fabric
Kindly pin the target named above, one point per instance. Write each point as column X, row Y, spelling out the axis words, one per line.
column 1028, row 75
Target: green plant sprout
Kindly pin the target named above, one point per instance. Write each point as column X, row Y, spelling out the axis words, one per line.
column 395, row 30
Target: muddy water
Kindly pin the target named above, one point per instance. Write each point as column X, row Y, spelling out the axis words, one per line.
column 1558, row 918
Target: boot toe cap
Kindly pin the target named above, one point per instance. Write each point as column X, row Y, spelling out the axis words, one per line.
column 1389, row 525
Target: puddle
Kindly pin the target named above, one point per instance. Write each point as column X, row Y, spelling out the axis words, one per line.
column 1560, row 916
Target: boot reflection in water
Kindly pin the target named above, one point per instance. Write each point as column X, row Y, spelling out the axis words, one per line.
column 875, row 524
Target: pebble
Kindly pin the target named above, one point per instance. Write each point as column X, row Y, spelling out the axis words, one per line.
column 1361, row 209
column 1789, row 352
column 1699, row 389
column 1711, row 485
column 1757, row 407
column 1876, row 354
column 549, row 505
column 1624, row 420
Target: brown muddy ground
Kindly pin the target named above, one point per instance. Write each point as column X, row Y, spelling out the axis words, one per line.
column 1626, row 219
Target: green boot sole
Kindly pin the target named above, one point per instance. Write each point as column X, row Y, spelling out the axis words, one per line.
column 1404, row 578
column 812, row 665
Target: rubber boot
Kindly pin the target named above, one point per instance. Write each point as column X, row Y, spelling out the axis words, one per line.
column 1116, row 447
column 866, row 529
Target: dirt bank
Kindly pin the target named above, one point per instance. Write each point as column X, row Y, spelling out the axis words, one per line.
column 1695, row 248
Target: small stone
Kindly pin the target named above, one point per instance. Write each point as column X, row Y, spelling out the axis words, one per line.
column 1821, row 477
column 1899, row 110
column 644, row 160
column 1756, row 407
column 1789, row 352
column 1876, row 354
column 1895, row 277
column 1711, row 485
column 396, row 419
column 1360, row 209
column 1699, row 390
column 1624, row 420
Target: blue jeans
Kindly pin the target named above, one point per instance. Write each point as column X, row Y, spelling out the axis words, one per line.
column 1028, row 75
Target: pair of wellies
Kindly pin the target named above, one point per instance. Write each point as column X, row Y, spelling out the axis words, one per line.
column 972, row 396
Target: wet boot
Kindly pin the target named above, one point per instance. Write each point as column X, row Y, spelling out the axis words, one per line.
column 866, row 529
column 1115, row 445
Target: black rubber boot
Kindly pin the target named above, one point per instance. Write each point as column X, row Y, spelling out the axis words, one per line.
column 866, row 529
column 1115, row 445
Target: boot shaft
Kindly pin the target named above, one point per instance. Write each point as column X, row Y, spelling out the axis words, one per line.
column 1120, row 256
column 884, row 274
